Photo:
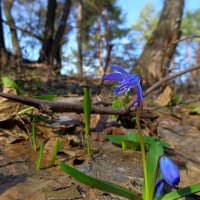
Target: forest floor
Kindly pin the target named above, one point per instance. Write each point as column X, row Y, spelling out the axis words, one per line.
column 177, row 124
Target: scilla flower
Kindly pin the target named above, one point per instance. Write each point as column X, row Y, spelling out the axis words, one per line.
column 169, row 171
column 126, row 82
column 159, row 187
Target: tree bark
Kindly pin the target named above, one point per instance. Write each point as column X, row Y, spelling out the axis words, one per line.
column 79, row 37
column 56, row 47
column 195, row 75
column 5, row 57
column 15, row 42
column 158, row 51
column 99, row 47
column 48, row 32
column 2, row 44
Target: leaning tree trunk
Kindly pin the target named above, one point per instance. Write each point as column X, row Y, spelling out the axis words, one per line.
column 160, row 48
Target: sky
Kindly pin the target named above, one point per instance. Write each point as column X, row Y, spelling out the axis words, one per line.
column 132, row 8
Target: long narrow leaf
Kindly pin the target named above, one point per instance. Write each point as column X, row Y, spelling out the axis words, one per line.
column 39, row 158
column 87, row 114
column 34, row 136
column 87, row 108
column 57, row 147
column 99, row 184
column 182, row 192
column 155, row 151
column 133, row 137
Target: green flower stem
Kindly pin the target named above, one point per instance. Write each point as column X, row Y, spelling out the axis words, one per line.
column 154, row 181
column 88, row 145
column 142, row 152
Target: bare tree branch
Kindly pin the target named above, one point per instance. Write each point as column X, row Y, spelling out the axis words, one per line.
column 23, row 30
column 183, row 39
column 51, row 106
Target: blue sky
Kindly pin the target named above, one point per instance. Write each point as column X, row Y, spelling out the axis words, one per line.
column 132, row 8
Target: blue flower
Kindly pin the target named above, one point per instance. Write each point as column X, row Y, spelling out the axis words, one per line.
column 170, row 171
column 159, row 187
column 126, row 82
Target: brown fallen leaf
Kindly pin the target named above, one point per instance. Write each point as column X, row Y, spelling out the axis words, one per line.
column 9, row 108
column 165, row 97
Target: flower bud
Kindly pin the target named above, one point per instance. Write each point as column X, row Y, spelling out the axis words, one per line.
column 170, row 171
column 159, row 187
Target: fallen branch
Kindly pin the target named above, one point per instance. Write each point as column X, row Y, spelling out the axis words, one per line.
column 52, row 106
column 161, row 82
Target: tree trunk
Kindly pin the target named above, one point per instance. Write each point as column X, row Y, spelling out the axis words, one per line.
column 99, row 48
column 108, row 45
column 79, row 37
column 159, row 50
column 2, row 44
column 15, row 42
column 195, row 75
column 56, row 47
column 4, row 55
column 48, row 32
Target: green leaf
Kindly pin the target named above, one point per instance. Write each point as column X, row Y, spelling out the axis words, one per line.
column 99, row 184
column 57, row 147
column 34, row 136
column 87, row 114
column 127, row 144
column 39, row 158
column 117, row 103
column 87, row 108
column 132, row 137
column 182, row 192
column 7, row 82
column 196, row 109
column 155, row 151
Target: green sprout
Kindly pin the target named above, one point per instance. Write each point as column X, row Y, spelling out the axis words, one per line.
column 87, row 115
column 57, row 147
column 34, row 139
column 39, row 158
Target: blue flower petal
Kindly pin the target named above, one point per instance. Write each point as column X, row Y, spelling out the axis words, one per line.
column 140, row 91
column 119, row 69
column 159, row 187
column 120, row 89
column 131, row 79
column 170, row 171
column 114, row 77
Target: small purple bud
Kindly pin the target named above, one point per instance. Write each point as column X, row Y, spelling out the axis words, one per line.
column 170, row 171
column 159, row 187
